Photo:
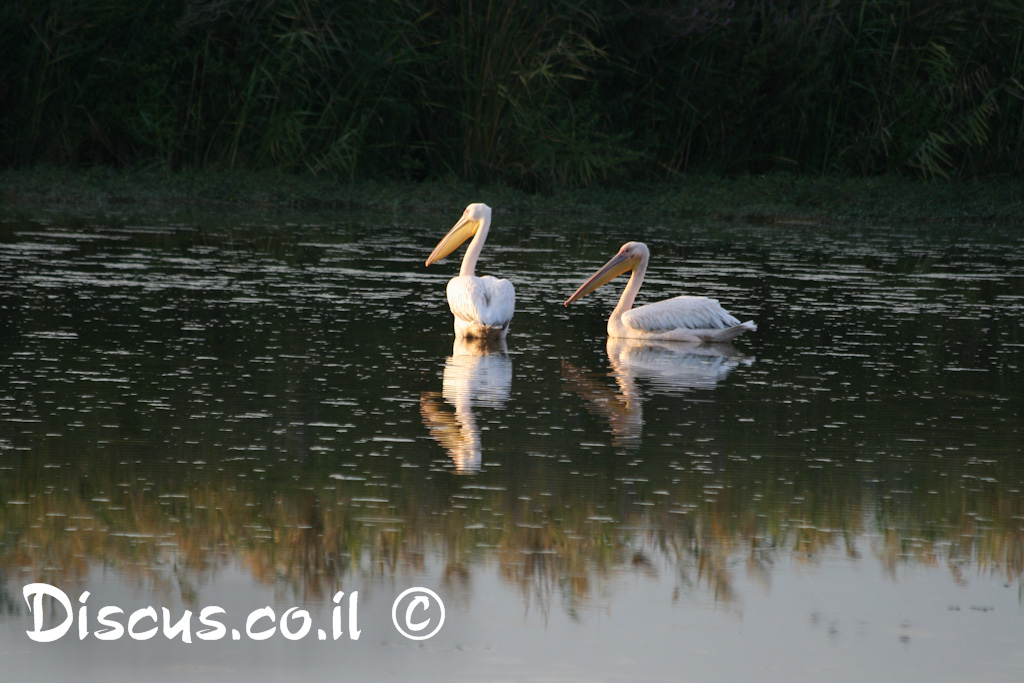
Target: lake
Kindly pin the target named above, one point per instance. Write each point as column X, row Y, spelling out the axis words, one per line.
column 256, row 409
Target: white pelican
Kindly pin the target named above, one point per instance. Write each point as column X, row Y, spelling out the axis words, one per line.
column 482, row 306
column 682, row 318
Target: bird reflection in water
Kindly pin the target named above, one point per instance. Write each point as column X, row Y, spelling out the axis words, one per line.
column 477, row 374
column 666, row 367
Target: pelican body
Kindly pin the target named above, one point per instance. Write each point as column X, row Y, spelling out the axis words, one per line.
column 682, row 318
column 482, row 306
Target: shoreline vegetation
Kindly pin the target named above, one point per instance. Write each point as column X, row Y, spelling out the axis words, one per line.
column 302, row 102
column 778, row 197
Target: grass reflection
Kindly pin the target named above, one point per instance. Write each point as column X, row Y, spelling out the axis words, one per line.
column 555, row 541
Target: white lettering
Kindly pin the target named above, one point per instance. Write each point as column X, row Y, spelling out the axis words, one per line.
column 184, row 626
column 307, row 623
column 137, row 616
column 353, row 616
column 218, row 631
column 417, row 601
column 256, row 615
column 296, row 623
column 336, row 615
column 115, row 630
column 38, row 590
column 83, row 616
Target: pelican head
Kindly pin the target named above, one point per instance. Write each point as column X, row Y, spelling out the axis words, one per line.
column 475, row 218
column 630, row 255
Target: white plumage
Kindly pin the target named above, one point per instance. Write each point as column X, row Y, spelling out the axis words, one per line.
column 686, row 318
column 482, row 306
column 683, row 318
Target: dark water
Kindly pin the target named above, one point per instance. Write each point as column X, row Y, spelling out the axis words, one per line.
column 262, row 410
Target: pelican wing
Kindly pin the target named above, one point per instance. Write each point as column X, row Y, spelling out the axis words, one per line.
column 681, row 312
column 486, row 300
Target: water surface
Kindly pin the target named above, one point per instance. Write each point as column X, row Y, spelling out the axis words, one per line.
column 250, row 410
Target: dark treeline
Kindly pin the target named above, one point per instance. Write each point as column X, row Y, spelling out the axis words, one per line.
column 534, row 94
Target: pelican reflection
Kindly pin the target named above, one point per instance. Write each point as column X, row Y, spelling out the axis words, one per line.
column 621, row 409
column 477, row 374
column 664, row 367
column 671, row 366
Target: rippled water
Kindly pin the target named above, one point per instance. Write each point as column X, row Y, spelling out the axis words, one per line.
column 248, row 411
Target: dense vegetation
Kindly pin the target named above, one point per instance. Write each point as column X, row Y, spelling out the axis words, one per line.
column 536, row 95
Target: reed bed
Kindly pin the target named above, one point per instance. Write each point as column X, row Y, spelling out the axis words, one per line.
column 534, row 95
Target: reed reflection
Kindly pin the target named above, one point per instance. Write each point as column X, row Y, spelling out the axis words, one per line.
column 171, row 527
column 477, row 374
column 666, row 367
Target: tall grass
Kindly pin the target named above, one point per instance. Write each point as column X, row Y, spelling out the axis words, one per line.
column 864, row 87
column 517, row 87
column 538, row 95
column 255, row 84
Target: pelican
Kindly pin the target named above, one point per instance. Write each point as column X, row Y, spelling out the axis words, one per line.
column 682, row 318
column 482, row 306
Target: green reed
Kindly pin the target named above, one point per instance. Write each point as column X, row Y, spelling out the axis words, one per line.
column 517, row 93
column 932, row 88
column 537, row 95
